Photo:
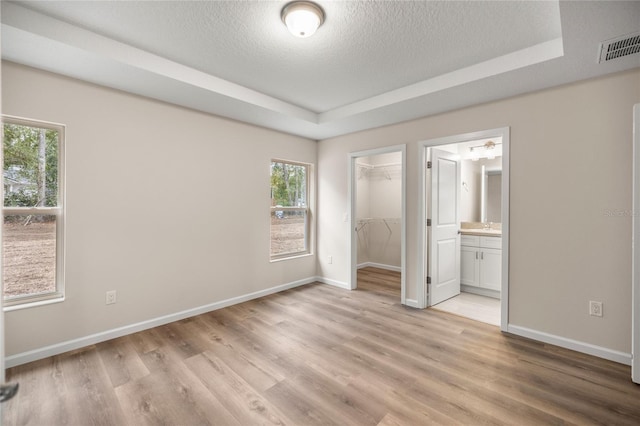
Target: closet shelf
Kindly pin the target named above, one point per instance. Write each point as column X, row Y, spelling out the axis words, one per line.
column 387, row 169
column 377, row 166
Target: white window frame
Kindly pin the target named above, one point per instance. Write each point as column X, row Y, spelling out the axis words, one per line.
column 27, row 301
column 306, row 210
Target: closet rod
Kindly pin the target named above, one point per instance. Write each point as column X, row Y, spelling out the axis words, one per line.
column 387, row 165
column 374, row 166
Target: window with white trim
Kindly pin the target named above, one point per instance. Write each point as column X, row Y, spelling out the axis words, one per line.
column 32, row 230
column 289, row 209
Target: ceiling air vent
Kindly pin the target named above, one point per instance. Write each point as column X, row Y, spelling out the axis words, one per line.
column 619, row 47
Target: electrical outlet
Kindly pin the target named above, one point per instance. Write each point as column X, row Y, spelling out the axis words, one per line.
column 111, row 297
column 330, row 260
column 595, row 308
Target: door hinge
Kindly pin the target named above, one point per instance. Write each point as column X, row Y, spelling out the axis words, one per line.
column 428, row 280
column 428, row 222
column 428, row 164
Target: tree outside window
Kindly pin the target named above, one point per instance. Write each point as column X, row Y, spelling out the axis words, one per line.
column 289, row 209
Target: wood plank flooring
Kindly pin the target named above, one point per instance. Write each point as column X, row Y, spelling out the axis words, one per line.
column 317, row 355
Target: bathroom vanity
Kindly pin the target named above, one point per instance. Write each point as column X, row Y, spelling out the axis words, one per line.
column 481, row 261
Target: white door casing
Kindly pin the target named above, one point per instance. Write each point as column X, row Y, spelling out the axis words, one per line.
column 423, row 246
column 635, row 244
column 2, row 371
column 445, row 225
column 352, row 219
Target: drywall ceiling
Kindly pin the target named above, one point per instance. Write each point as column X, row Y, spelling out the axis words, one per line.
column 372, row 63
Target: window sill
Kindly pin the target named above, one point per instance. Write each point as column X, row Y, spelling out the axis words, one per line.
column 27, row 305
column 295, row 256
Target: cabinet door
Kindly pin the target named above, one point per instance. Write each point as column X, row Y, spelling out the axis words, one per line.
column 469, row 265
column 491, row 268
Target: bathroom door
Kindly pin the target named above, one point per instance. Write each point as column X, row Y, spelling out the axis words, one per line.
column 444, row 247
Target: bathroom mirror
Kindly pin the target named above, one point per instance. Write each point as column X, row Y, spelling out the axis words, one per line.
column 481, row 193
column 491, row 196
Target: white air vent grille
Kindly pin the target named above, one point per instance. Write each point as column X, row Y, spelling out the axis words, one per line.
column 619, row 47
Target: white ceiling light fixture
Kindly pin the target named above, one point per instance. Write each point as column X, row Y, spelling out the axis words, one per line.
column 487, row 150
column 490, row 147
column 302, row 18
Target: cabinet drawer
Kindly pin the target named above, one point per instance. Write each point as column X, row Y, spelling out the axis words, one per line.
column 470, row 240
column 491, row 242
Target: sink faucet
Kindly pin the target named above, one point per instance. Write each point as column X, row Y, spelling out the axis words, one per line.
column 487, row 225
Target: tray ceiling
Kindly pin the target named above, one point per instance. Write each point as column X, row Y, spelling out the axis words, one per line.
column 370, row 64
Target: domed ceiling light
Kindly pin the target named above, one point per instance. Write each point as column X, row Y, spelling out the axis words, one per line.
column 302, row 18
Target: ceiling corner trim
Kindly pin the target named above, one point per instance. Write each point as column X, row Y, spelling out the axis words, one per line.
column 538, row 53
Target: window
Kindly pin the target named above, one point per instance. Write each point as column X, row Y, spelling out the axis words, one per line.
column 289, row 209
column 32, row 230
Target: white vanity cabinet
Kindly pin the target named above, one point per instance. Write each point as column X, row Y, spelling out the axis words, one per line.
column 481, row 261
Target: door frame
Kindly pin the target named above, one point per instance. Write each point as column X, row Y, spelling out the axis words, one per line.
column 421, row 285
column 635, row 250
column 352, row 202
column 2, row 333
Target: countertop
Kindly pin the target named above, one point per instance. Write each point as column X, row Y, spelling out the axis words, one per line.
column 482, row 232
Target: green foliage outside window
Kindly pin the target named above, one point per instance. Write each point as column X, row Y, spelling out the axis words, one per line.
column 30, row 166
column 288, row 184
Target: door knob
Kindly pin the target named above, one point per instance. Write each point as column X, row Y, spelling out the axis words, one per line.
column 8, row 391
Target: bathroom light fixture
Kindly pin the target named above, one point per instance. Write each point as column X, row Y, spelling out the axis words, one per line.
column 490, row 147
column 302, row 18
column 487, row 150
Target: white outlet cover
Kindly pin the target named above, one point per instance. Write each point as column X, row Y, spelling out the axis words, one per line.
column 111, row 297
column 595, row 308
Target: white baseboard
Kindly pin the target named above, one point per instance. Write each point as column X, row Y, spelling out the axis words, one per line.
column 58, row 348
column 412, row 303
column 379, row 265
column 334, row 283
column 563, row 342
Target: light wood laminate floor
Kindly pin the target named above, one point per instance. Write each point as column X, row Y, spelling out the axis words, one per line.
column 318, row 355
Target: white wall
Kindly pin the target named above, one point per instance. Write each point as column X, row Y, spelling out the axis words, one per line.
column 565, row 249
column 168, row 206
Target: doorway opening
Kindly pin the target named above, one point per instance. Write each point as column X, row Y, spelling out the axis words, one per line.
column 377, row 216
column 465, row 223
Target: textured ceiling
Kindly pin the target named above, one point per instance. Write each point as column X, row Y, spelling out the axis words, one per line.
column 371, row 63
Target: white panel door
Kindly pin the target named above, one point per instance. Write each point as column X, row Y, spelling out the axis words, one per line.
column 445, row 238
